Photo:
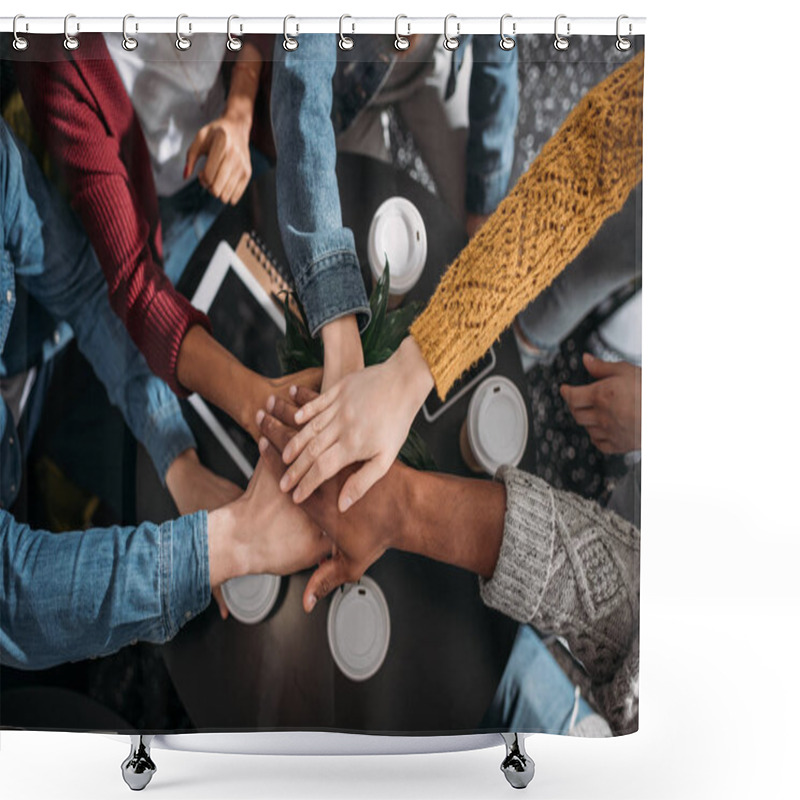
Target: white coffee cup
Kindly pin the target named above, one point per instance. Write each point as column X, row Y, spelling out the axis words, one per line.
column 397, row 234
column 251, row 597
column 359, row 628
column 495, row 431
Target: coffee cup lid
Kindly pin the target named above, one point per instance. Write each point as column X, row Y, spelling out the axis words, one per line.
column 497, row 424
column 251, row 597
column 359, row 629
column 397, row 233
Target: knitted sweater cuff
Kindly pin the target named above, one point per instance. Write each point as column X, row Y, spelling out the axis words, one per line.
column 523, row 566
column 169, row 319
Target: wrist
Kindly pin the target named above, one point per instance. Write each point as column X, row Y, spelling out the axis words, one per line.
column 226, row 558
column 239, row 112
column 416, row 377
column 178, row 470
column 407, row 491
column 341, row 342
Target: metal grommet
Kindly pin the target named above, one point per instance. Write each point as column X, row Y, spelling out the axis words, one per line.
column 289, row 43
column 401, row 42
column 70, row 42
column 345, row 42
column 506, row 42
column 181, row 42
column 20, row 42
column 451, row 42
column 622, row 43
column 561, row 42
column 128, row 42
column 233, row 44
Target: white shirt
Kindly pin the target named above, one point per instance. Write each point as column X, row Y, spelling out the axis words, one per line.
column 174, row 94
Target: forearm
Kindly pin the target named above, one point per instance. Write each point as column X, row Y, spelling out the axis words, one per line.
column 458, row 521
column 342, row 347
column 582, row 176
column 245, row 78
column 80, row 594
column 206, row 367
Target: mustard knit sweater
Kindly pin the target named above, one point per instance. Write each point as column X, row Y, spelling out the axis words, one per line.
column 582, row 176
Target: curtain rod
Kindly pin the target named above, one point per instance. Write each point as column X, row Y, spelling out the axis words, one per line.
column 298, row 25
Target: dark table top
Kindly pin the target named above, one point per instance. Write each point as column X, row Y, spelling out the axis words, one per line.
column 447, row 650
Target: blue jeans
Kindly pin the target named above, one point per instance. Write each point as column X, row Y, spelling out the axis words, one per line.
column 611, row 261
column 534, row 695
column 69, row 596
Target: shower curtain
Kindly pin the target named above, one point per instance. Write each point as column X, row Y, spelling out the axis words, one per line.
column 186, row 224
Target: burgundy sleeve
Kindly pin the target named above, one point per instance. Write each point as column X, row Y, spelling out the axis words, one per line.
column 117, row 205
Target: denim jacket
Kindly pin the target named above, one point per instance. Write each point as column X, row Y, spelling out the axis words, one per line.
column 317, row 92
column 68, row 596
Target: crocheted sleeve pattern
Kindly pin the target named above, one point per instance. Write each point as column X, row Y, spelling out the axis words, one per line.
column 583, row 175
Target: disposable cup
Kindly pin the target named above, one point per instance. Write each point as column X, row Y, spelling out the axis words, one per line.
column 397, row 234
column 495, row 431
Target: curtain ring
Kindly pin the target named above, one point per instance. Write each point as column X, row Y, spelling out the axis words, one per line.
column 128, row 42
column 506, row 42
column 233, row 44
column 622, row 43
column 401, row 42
column 561, row 42
column 20, row 42
column 289, row 43
column 451, row 42
column 181, row 42
column 345, row 42
column 70, row 42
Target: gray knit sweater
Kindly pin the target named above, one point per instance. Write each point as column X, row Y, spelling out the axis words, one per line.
column 569, row 567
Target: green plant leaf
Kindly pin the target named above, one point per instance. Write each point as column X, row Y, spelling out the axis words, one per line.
column 396, row 325
column 378, row 303
column 414, row 453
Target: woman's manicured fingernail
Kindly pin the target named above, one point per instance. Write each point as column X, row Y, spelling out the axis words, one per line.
column 270, row 403
column 263, row 444
column 312, row 601
column 284, row 484
column 297, row 496
column 260, row 414
column 292, row 391
column 298, row 417
column 346, row 503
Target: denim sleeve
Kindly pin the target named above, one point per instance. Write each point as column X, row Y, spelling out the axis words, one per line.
column 57, row 265
column 81, row 594
column 321, row 251
column 493, row 112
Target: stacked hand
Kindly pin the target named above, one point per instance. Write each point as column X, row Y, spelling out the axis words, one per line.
column 263, row 531
column 363, row 419
column 361, row 534
column 610, row 408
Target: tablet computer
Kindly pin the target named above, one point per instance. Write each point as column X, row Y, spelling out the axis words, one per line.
column 241, row 294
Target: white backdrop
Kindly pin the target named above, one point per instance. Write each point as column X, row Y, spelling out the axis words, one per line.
column 720, row 606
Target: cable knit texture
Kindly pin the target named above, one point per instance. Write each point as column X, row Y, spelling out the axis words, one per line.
column 568, row 566
column 583, row 175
